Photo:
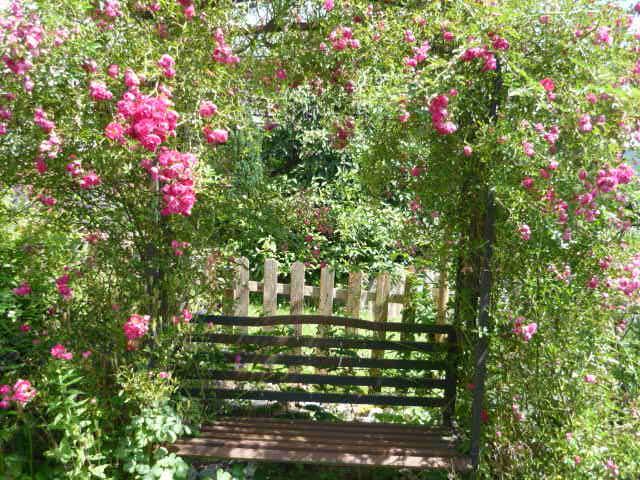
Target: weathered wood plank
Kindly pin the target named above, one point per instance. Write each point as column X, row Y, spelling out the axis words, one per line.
column 270, row 293
column 354, row 297
column 320, row 319
column 241, row 291
column 325, row 303
column 324, row 343
column 455, row 462
column 336, row 444
column 313, row 379
column 350, row 426
column 228, row 394
column 380, row 312
column 331, row 362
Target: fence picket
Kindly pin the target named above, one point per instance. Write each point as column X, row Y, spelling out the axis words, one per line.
column 380, row 313
column 270, row 290
column 297, row 292
column 354, row 298
column 241, row 291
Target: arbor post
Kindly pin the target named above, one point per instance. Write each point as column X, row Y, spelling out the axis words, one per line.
column 482, row 345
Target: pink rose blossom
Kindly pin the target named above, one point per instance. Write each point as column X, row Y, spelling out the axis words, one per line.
column 114, row 131
column 23, row 392
column 216, row 136
column 90, row 180
column 22, row 290
column 136, row 326
column 207, row 109
column 98, row 91
column 548, row 84
column 60, row 352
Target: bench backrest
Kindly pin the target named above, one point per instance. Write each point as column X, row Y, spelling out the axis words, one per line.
column 427, row 378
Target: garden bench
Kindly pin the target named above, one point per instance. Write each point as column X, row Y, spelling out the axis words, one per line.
column 335, row 443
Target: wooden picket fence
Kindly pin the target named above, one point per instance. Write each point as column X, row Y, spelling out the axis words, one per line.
column 384, row 297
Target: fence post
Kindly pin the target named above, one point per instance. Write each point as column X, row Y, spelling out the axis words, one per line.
column 380, row 314
column 354, row 294
column 270, row 288
column 241, row 291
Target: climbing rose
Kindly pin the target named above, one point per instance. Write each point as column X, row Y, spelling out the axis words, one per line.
column 136, row 326
column 23, row 392
column 328, row 5
column 588, row 378
column 525, row 232
column 548, row 84
column 89, row 181
column 440, row 115
column 98, row 91
column 60, row 352
column 62, row 285
column 22, row 290
column 167, row 63
column 584, row 123
column 207, row 109
column 526, row 332
column 467, row 151
column 216, row 136
column 114, row 131
column 223, row 52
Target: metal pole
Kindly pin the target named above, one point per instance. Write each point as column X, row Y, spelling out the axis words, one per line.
column 482, row 345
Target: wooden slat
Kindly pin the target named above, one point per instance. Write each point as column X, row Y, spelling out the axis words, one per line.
column 336, row 444
column 325, row 320
column 296, row 299
column 324, row 343
column 401, row 433
column 241, row 291
column 325, row 303
column 270, row 293
column 309, row 455
column 408, row 306
column 297, row 292
column 348, row 426
column 380, row 313
column 333, row 362
column 418, row 435
column 223, row 393
column 314, row 379
column 354, row 295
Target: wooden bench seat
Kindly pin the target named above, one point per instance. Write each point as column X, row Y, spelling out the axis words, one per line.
column 347, row 443
column 342, row 368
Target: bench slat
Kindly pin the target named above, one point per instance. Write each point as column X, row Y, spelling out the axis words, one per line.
column 334, row 444
column 228, row 339
column 353, row 435
column 351, row 426
column 223, row 393
column 323, row 320
column 458, row 463
column 330, row 362
column 271, row 377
